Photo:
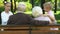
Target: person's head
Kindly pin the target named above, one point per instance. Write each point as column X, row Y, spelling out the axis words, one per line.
column 7, row 6
column 37, row 11
column 21, row 6
column 47, row 6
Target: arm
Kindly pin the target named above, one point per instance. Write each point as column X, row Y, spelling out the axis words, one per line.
column 51, row 17
column 4, row 19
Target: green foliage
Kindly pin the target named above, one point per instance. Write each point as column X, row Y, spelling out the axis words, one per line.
column 36, row 2
column 1, row 9
column 1, row 5
column 28, row 7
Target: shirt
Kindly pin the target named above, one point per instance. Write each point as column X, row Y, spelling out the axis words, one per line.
column 52, row 14
column 5, row 17
column 42, row 18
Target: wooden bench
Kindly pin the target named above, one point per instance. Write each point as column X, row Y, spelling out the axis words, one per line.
column 26, row 29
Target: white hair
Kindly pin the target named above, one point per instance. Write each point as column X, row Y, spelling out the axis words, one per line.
column 36, row 11
column 20, row 5
column 48, row 3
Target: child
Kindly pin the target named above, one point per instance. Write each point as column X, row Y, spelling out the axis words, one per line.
column 50, row 14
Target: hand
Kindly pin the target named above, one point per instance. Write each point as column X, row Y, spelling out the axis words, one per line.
column 45, row 15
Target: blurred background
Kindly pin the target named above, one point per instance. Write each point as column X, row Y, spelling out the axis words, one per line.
column 30, row 4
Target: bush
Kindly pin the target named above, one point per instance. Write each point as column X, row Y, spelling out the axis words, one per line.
column 1, row 8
